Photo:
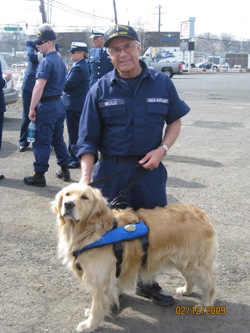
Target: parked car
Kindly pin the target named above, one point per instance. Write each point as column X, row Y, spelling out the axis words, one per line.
column 10, row 93
column 20, row 64
column 208, row 65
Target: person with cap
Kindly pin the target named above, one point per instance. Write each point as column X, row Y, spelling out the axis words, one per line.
column 29, row 80
column 131, row 118
column 47, row 110
column 4, row 78
column 99, row 60
column 74, row 93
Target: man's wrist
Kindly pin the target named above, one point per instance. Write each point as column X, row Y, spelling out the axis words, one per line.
column 165, row 147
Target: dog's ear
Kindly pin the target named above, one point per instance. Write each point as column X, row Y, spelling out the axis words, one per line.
column 57, row 203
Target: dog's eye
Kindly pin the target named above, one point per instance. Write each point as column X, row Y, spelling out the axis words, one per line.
column 67, row 194
column 84, row 197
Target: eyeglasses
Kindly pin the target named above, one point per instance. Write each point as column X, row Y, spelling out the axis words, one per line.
column 116, row 51
column 43, row 42
column 72, row 52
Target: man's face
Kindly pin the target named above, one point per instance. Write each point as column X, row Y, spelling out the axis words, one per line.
column 124, row 53
column 98, row 41
column 43, row 47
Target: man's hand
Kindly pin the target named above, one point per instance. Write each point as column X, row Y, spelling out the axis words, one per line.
column 32, row 115
column 153, row 158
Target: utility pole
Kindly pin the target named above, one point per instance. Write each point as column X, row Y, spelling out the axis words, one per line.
column 159, row 21
column 159, row 24
column 42, row 10
column 114, row 5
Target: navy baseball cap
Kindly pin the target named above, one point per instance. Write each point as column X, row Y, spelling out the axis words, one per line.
column 78, row 46
column 44, row 34
column 120, row 31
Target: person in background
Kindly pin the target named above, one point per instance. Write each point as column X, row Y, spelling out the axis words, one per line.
column 132, row 115
column 34, row 57
column 3, row 83
column 99, row 60
column 74, row 93
column 47, row 110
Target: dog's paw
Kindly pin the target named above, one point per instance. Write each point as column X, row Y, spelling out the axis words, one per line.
column 87, row 313
column 85, row 326
column 182, row 291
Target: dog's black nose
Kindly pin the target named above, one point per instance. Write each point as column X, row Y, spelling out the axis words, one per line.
column 69, row 205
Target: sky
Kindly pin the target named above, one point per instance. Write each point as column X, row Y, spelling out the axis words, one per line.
column 212, row 16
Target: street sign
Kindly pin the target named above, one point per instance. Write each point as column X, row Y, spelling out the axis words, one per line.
column 13, row 29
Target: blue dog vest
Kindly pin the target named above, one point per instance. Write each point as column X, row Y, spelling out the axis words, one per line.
column 117, row 235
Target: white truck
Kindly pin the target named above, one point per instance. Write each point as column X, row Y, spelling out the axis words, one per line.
column 166, row 60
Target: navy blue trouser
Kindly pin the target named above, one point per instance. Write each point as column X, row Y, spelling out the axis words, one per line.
column 1, row 127
column 72, row 120
column 148, row 192
column 49, row 132
column 26, row 97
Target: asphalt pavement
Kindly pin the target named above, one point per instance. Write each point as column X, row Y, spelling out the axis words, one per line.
column 209, row 166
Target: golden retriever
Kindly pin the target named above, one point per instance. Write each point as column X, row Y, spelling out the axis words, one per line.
column 180, row 235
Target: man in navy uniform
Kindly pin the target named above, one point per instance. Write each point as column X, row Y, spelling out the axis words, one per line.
column 34, row 57
column 131, row 116
column 99, row 60
column 74, row 93
column 47, row 110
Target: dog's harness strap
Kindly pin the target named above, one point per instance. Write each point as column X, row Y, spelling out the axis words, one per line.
column 145, row 244
column 118, row 252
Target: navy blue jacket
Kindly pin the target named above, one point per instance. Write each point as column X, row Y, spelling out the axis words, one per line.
column 119, row 122
column 2, row 85
column 77, row 86
column 29, row 79
column 99, row 64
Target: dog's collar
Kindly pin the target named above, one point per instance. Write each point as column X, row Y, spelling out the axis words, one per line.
column 117, row 234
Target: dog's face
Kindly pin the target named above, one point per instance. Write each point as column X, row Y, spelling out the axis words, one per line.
column 78, row 202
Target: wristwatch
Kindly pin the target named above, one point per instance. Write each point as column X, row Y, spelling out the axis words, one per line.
column 165, row 147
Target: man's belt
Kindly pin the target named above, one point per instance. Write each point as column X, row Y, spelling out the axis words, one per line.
column 50, row 98
column 121, row 159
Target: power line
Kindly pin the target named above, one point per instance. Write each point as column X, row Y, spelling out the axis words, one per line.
column 71, row 10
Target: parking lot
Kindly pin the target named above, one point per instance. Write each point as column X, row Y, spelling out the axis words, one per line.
column 209, row 166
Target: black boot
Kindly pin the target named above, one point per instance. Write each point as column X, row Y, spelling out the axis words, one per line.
column 63, row 173
column 154, row 292
column 37, row 180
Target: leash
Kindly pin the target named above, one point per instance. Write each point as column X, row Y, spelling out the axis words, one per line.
column 111, row 175
column 124, row 191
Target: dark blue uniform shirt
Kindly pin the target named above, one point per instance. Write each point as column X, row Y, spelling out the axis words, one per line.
column 99, row 64
column 54, row 72
column 119, row 122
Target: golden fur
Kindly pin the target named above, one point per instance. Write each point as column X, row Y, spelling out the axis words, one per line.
column 180, row 235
